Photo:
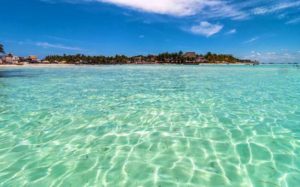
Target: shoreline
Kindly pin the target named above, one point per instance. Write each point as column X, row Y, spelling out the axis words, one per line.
column 37, row 65
column 78, row 65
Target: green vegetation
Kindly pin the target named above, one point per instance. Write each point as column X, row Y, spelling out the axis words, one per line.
column 163, row 58
column 1, row 49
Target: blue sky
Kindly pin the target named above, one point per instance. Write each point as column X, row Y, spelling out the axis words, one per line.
column 266, row 30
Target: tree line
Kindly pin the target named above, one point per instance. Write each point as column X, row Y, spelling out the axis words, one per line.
column 172, row 58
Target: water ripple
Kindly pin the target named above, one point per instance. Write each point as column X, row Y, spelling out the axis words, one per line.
column 150, row 126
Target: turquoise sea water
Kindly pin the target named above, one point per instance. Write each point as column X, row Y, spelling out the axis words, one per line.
column 150, row 126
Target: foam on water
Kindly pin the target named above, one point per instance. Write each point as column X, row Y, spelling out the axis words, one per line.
column 150, row 126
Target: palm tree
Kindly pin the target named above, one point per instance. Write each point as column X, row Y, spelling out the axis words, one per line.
column 1, row 49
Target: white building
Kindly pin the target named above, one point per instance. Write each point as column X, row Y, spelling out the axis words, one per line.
column 10, row 59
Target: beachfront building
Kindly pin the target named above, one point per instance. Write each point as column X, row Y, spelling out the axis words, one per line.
column 152, row 59
column 201, row 59
column 7, row 59
column 15, row 60
column 10, row 59
column 46, row 62
column 190, row 55
column 138, row 59
column 32, row 59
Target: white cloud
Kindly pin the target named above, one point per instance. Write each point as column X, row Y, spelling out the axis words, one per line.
column 274, row 8
column 206, row 29
column 169, row 7
column 57, row 46
column 260, row 10
column 293, row 21
column 275, row 57
column 180, row 8
column 206, row 9
column 210, row 10
column 251, row 40
column 232, row 31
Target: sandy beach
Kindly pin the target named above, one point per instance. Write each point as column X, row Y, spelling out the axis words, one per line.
column 37, row 65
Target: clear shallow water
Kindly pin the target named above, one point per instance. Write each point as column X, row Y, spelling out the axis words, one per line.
column 150, row 126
